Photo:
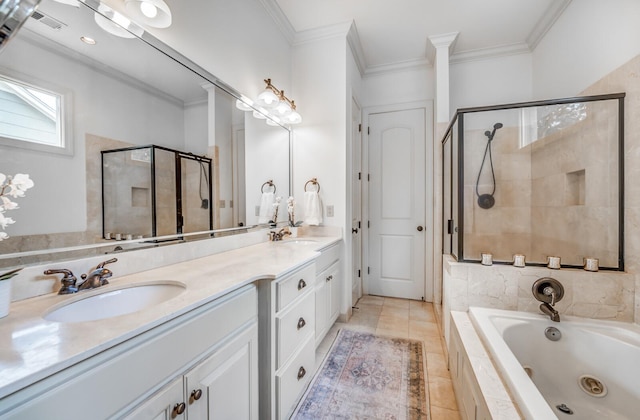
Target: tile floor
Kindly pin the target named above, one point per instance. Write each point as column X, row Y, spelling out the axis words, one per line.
column 407, row 319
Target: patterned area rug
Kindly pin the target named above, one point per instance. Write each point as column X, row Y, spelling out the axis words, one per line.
column 365, row 376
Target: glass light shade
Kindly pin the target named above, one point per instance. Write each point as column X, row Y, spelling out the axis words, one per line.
column 282, row 109
column 259, row 115
column 112, row 27
column 267, row 99
column 148, row 9
column 293, row 118
column 243, row 106
column 142, row 11
column 273, row 121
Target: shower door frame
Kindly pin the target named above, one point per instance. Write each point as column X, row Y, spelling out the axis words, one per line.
column 449, row 225
column 178, row 156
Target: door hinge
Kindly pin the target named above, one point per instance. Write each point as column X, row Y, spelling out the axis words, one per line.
column 359, row 274
column 368, row 177
column 359, row 225
column 368, row 130
column 359, row 128
column 449, row 226
column 359, row 175
column 369, row 223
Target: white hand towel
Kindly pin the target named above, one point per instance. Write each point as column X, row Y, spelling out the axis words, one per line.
column 266, row 207
column 312, row 208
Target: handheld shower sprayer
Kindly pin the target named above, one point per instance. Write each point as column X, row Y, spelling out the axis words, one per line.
column 486, row 201
column 490, row 134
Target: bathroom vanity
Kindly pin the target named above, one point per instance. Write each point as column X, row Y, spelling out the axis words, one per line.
column 238, row 342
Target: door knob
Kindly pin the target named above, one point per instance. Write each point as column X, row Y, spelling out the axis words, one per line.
column 354, row 230
column 420, row 228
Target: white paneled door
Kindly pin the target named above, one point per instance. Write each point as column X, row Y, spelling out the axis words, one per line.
column 397, row 231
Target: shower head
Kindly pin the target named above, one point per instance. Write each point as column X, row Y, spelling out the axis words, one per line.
column 490, row 134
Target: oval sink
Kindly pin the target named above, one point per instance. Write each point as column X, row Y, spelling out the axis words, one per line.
column 114, row 302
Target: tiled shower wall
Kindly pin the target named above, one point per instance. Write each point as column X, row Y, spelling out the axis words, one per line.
column 570, row 174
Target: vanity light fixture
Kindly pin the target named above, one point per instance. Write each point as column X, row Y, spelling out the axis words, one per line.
column 276, row 106
column 154, row 13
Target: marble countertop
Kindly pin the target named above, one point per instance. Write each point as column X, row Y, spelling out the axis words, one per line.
column 32, row 348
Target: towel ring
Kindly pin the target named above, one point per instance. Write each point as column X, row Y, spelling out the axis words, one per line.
column 313, row 181
column 269, row 183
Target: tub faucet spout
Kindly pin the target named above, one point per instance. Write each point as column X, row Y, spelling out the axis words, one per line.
column 548, row 310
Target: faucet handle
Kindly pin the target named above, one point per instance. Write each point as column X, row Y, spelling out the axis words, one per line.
column 68, row 280
column 103, row 263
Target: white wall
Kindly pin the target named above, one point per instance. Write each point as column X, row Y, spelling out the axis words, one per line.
column 498, row 80
column 590, row 39
column 415, row 84
column 319, row 69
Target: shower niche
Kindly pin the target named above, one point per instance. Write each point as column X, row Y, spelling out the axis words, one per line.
column 153, row 191
column 541, row 179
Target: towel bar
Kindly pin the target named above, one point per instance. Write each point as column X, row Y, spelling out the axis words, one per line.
column 313, row 181
column 269, row 183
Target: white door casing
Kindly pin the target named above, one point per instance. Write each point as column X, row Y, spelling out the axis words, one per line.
column 356, row 202
column 397, row 190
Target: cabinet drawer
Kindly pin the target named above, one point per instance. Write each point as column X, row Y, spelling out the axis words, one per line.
column 293, row 379
column 327, row 257
column 294, row 285
column 293, row 327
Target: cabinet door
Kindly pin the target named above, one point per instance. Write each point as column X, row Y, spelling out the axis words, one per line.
column 164, row 405
column 333, row 275
column 322, row 311
column 225, row 385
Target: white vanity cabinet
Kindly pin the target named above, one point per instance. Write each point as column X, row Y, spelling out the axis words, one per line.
column 328, row 290
column 287, row 359
column 223, row 386
column 212, row 348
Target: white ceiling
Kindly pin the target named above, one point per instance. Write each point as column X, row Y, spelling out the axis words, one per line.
column 395, row 32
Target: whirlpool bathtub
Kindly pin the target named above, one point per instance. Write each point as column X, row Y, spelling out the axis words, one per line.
column 573, row 369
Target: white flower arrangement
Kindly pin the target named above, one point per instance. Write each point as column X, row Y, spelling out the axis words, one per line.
column 276, row 207
column 291, row 205
column 14, row 187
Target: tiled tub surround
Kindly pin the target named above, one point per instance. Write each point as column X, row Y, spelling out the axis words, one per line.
column 602, row 294
column 33, row 348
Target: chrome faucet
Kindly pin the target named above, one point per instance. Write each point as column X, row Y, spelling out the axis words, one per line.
column 277, row 236
column 96, row 278
column 549, row 291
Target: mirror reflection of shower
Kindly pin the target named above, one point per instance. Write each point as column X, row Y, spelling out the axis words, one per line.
column 487, row 200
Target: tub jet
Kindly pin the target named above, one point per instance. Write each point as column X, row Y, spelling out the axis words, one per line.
column 564, row 409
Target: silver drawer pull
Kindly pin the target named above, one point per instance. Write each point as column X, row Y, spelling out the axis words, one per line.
column 301, row 372
column 196, row 394
column 302, row 284
column 301, row 323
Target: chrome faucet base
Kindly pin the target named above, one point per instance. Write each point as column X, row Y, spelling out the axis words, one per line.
column 96, row 278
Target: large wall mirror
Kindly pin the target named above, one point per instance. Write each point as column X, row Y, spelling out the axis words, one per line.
column 85, row 85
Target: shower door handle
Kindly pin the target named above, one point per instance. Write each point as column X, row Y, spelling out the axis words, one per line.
column 420, row 228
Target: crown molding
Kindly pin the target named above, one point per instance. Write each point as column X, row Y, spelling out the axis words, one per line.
column 492, row 52
column 353, row 39
column 545, row 23
column 322, row 33
column 381, row 69
column 280, row 19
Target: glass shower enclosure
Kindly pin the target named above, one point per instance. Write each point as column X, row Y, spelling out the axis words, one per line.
column 153, row 191
column 540, row 179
